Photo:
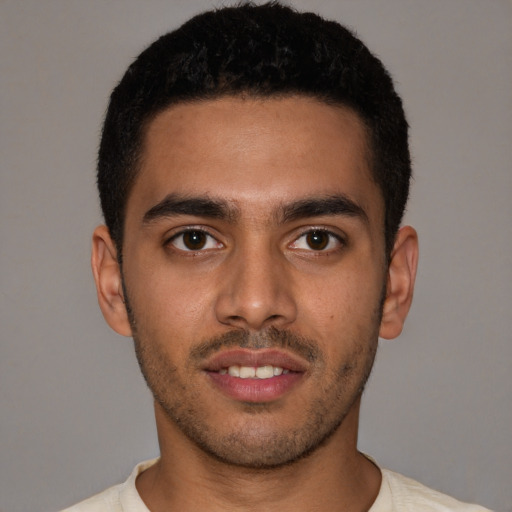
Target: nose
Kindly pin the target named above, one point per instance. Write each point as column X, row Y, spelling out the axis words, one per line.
column 256, row 291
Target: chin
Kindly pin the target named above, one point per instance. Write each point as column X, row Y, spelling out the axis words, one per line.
column 258, row 442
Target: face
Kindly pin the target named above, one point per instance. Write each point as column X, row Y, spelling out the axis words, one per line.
column 254, row 273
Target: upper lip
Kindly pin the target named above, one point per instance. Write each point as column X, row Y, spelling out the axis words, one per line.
column 255, row 358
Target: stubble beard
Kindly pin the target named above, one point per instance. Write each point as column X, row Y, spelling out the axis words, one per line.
column 249, row 445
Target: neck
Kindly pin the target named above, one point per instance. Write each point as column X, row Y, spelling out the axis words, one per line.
column 334, row 477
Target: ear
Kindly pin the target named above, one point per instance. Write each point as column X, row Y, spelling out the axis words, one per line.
column 107, row 276
column 400, row 283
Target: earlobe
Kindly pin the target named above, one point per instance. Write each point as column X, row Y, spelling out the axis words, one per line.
column 400, row 283
column 107, row 275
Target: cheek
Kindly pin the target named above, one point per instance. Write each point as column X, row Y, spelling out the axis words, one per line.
column 168, row 306
column 342, row 297
column 343, row 312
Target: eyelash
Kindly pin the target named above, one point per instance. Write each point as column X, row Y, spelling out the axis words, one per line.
column 190, row 231
column 332, row 238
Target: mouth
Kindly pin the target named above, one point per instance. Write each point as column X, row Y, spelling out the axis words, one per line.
column 250, row 372
column 255, row 376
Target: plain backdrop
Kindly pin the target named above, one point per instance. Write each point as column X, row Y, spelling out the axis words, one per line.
column 75, row 415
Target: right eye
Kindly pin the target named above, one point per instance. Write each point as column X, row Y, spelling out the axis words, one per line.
column 194, row 240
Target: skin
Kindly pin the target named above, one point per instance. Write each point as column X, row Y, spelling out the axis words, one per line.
column 257, row 271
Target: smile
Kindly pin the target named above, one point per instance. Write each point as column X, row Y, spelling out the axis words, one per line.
column 255, row 376
column 250, row 372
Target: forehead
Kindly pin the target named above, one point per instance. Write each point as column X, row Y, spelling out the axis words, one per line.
column 255, row 153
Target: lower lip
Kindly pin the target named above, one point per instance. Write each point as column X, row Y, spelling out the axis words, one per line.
column 255, row 390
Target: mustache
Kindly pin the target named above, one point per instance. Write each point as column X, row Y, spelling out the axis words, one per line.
column 268, row 338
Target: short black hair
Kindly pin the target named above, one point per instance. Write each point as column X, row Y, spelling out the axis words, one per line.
column 266, row 50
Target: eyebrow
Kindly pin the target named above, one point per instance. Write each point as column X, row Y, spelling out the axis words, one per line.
column 323, row 206
column 174, row 205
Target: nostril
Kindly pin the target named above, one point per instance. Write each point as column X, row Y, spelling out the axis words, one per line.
column 254, row 299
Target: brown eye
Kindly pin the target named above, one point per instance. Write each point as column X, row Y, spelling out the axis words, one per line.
column 194, row 240
column 317, row 240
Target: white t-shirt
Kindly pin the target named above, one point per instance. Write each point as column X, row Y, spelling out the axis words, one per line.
column 397, row 494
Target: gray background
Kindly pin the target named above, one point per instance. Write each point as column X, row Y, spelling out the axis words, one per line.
column 75, row 415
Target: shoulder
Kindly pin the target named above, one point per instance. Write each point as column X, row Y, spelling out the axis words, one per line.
column 407, row 495
column 107, row 500
column 119, row 498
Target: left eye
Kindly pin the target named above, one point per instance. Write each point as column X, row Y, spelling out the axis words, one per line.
column 194, row 240
column 317, row 240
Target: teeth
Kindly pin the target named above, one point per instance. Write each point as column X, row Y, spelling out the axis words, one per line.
column 247, row 372
column 250, row 372
column 265, row 372
column 234, row 371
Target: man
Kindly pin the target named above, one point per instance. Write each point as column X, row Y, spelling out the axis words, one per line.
column 253, row 172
